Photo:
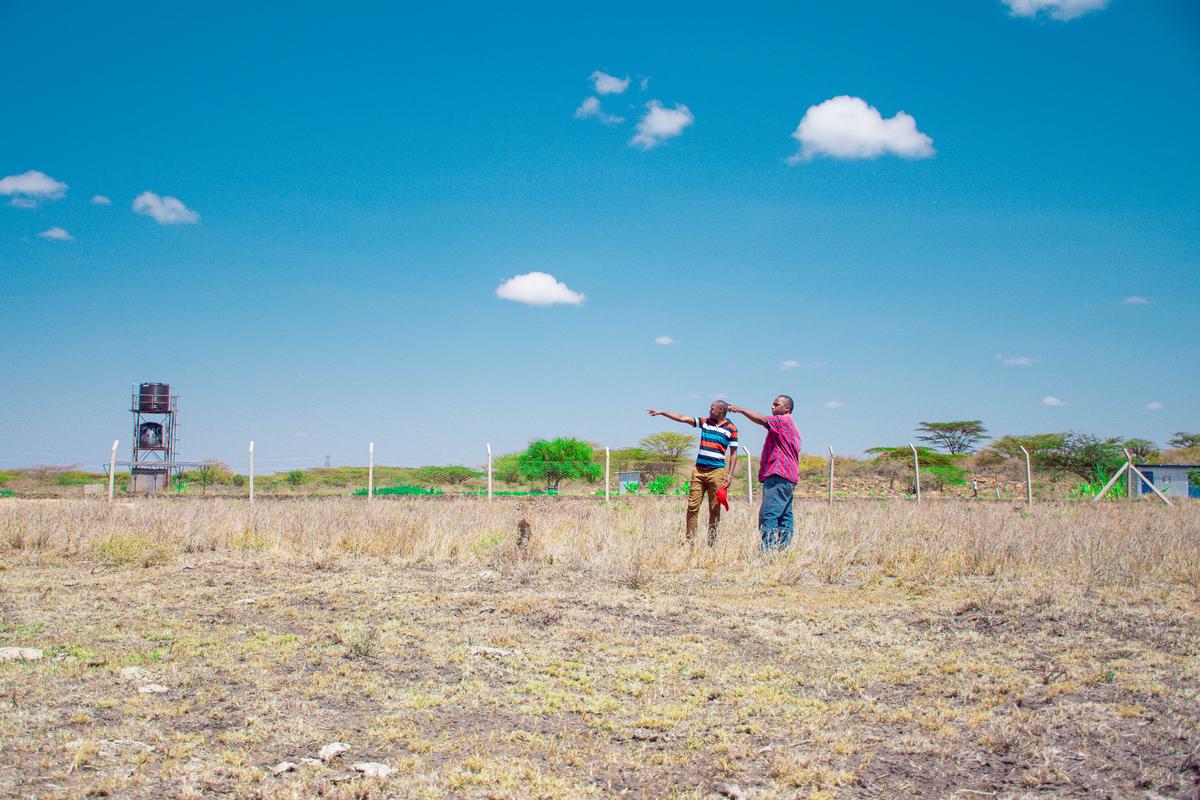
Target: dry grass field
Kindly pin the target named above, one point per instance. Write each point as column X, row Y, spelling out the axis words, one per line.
column 948, row 650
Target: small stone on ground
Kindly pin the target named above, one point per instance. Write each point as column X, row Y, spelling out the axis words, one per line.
column 19, row 654
column 333, row 750
column 373, row 769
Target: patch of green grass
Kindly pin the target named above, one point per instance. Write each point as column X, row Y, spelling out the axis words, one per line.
column 128, row 549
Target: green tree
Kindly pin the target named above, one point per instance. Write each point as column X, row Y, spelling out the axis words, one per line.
column 929, row 458
column 1085, row 455
column 1007, row 447
column 668, row 446
column 507, row 468
column 295, row 478
column 552, row 461
column 1182, row 439
column 1141, row 449
column 959, row 436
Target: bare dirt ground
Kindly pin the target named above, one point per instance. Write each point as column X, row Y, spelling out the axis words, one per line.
column 601, row 658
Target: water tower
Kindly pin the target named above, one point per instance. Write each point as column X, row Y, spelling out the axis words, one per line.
column 155, row 412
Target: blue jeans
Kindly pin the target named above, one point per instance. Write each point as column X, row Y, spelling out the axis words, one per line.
column 775, row 517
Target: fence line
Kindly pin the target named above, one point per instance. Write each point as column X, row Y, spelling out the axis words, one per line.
column 659, row 468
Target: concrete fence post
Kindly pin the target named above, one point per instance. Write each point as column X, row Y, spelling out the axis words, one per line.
column 252, row 471
column 489, row 452
column 830, row 474
column 916, row 471
column 370, row 471
column 607, row 472
column 1028, row 478
column 112, row 470
column 750, row 477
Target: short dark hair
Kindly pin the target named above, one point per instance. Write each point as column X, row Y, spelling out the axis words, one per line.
column 791, row 402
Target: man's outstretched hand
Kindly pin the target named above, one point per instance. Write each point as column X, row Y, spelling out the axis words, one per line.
column 654, row 412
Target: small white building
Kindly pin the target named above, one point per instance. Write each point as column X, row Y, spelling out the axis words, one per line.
column 1173, row 480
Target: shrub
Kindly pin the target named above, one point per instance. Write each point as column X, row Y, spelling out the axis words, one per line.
column 404, row 490
column 948, row 475
column 660, row 485
column 295, row 478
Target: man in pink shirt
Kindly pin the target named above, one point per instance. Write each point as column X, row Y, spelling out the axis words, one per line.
column 778, row 470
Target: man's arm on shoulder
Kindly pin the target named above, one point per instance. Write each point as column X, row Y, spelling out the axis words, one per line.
column 753, row 416
column 654, row 412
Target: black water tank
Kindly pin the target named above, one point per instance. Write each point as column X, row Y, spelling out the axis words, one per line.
column 150, row 434
column 154, row 398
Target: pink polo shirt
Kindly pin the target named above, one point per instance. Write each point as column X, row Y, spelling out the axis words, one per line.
column 781, row 450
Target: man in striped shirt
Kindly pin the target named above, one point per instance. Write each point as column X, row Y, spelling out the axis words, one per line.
column 778, row 470
column 715, row 462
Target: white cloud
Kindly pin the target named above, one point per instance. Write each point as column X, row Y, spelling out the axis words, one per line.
column 1053, row 402
column 834, row 404
column 791, row 363
column 590, row 108
column 659, row 124
column 846, row 127
column 664, row 340
column 644, row 82
column 1155, row 405
column 166, row 210
column 1017, row 361
column 608, row 84
column 58, row 234
column 1058, row 9
column 1135, row 300
column 101, row 200
column 30, row 188
column 537, row 289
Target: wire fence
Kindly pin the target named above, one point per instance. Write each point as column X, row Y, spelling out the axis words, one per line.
column 606, row 473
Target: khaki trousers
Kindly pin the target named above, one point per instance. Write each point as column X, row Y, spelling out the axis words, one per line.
column 704, row 483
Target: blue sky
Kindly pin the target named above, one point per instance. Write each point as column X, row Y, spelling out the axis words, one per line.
column 356, row 182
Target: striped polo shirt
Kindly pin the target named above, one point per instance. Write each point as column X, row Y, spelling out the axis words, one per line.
column 716, row 439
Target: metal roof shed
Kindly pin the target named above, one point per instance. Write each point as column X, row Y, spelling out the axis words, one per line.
column 1173, row 480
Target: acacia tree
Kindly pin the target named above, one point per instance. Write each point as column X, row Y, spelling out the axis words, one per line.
column 959, row 436
column 1182, row 439
column 1141, row 449
column 555, row 460
column 669, row 445
column 1086, row 456
column 1009, row 446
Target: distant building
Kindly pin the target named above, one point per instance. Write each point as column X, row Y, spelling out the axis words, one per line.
column 1173, row 480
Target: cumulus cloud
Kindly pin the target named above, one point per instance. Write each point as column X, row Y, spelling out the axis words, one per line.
column 101, row 200
column 58, row 234
column 608, row 84
column 664, row 340
column 30, row 188
column 166, row 210
column 1053, row 402
column 1057, row 9
column 537, row 289
column 1135, row 300
column 1155, row 405
column 659, row 124
column 847, row 127
column 590, row 109
column 1017, row 361
column 791, row 364
column 834, row 404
